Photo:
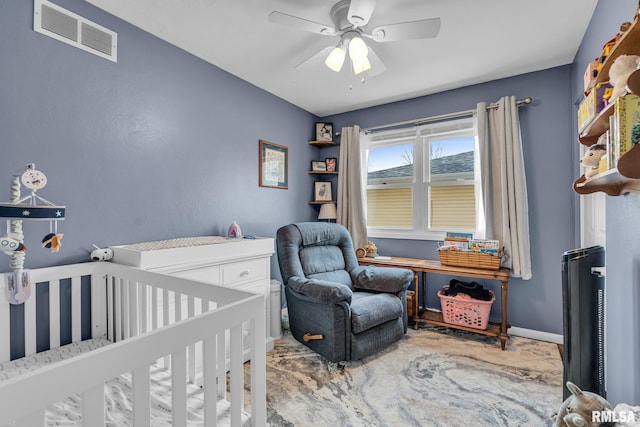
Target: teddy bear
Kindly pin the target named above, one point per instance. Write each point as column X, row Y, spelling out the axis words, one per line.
column 619, row 72
column 592, row 158
column 576, row 410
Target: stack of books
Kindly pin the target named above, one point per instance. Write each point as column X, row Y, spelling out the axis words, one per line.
column 454, row 241
column 465, row 242
column 623, row 133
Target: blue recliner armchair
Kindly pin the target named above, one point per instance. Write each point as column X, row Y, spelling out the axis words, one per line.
column 337, row 308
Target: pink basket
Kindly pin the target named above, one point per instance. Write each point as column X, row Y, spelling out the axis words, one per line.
column 463, row 311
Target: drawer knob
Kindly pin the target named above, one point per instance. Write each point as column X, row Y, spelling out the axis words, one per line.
column 245, row 273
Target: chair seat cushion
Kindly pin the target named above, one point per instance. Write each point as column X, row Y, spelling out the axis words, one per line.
column 370, row 310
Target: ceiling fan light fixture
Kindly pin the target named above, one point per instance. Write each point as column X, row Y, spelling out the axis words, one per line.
column 336, row 58
column 361, row 66
column 358, row 49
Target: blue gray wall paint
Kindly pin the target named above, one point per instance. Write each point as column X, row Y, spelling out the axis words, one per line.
column 158, row 145
column 163, row 145
column 546, row 132
column 623, row 234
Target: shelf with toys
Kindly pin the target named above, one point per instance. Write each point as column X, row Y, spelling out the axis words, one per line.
column 609, row 117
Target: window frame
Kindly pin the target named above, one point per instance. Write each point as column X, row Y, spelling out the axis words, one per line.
column 421, row 137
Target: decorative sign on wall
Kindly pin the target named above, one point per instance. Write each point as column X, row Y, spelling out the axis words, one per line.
column 30, row 208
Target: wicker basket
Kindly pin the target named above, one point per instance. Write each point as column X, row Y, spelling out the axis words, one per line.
column 468, row 312
column 470, row 259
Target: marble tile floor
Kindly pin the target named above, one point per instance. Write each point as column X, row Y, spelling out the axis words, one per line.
column 434, row 376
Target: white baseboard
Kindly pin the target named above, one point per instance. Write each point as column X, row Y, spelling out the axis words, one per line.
column 536, row 335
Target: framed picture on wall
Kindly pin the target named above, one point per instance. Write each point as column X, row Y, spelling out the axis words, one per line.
column 274, row 162
column 331, row 162
column 324, row 131
column 317, row 166
column 322, row 191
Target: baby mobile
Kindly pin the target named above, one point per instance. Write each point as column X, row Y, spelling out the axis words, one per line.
column 31, row 207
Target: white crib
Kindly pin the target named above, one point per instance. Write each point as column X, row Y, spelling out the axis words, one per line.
column 150, row 320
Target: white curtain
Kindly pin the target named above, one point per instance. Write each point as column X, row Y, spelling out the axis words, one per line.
column 504, row 185
column 351, row 210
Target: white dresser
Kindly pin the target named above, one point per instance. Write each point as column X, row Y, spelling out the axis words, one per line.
column 235, row 263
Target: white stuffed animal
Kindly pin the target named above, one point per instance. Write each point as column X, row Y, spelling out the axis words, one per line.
column 101, row 254
column 619, row 72
column 592, row 158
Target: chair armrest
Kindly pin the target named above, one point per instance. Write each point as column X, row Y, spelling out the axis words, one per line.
column 321, row 291
column 381, row 279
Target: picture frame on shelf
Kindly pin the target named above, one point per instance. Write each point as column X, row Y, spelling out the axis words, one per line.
column 331, row 164
column 322, row 191
column 274, row 164
column 318, row 166
column 324, row 131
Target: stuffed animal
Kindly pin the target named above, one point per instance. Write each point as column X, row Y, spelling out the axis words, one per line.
column 371, row 249
column 591, row 159
column 576, row 410
column 101, row 254
column 619, row 72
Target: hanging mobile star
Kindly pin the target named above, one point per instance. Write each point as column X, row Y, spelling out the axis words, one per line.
column 31, row 207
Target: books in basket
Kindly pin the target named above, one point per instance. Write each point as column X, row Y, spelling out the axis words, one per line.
column 485, row 246
column 457, row 241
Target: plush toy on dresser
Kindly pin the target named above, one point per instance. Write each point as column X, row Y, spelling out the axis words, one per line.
column 592, row 158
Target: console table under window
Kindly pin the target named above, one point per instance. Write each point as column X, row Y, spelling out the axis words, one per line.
column 423, row 266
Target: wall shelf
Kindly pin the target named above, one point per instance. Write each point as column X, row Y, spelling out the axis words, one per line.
column 626, row 176
column 322, row 173
column 598, row 126
column 627, row 45
column 609, row 182
column 322, row 202
column 324, row 143
column 329, row 174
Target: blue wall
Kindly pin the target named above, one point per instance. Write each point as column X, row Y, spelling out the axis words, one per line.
column 547, row 135
column 163, row 145
column 623, row 233
column 158, row 145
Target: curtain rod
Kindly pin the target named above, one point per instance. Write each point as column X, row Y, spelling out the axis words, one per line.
column 424, row 120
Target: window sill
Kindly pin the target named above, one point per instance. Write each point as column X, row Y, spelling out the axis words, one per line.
column 406, row 235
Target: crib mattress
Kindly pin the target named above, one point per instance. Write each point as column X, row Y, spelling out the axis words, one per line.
column 118, row 392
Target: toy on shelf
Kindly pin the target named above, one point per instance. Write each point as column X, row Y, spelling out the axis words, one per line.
column 619, row 72
column 30, row 208
column 591, row 159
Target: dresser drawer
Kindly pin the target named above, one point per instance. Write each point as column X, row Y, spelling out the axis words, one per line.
column 208, row 274
column 236, row 273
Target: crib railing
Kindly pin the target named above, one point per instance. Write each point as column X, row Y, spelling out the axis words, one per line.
column 41, row 322
column 149, row 316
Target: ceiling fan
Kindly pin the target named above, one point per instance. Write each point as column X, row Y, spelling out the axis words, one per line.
column 350, row 19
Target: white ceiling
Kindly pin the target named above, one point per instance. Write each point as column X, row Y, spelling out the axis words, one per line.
column 479, row 41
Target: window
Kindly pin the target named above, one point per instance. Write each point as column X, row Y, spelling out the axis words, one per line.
column 422, row 181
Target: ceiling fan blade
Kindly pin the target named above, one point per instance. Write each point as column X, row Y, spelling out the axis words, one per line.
column 422, row 29
column 377, row 67
column 360, row 12
column 300, row 23
column 316, row 59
